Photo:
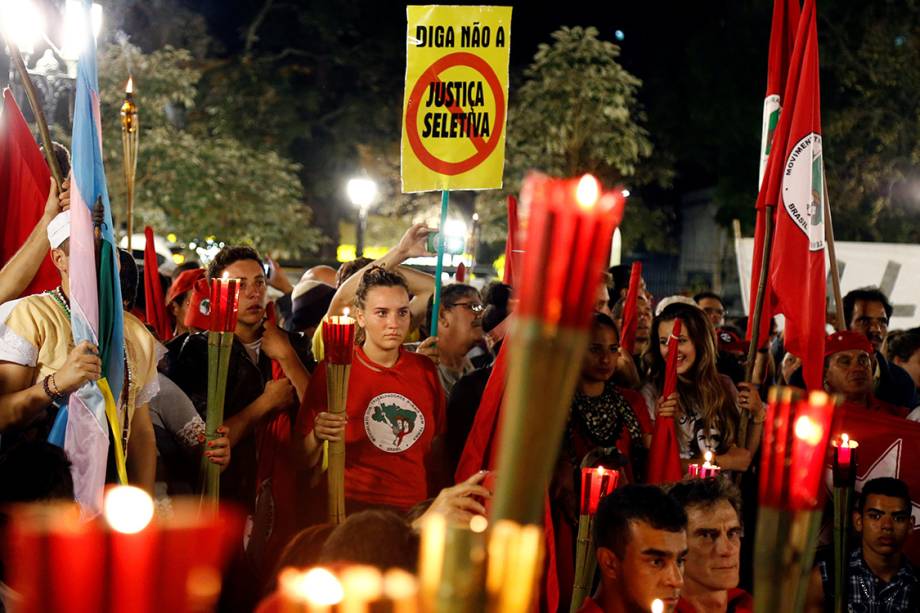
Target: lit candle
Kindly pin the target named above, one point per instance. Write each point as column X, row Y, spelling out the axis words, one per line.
column 709, row 469
column 657, row 606
column 129, row 511
column 693, row 471
column 844, row 452
column 362, row 585
column 225, row 295
column 401, row 591
column 315, row 590
column 596, row 483
column 339, row 338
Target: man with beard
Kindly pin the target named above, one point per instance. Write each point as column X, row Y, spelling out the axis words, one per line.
column 848, row 372
column 867, row 311
column 714, row 533
column 880, row 578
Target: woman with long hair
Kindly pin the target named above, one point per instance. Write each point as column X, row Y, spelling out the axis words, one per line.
column 395, row 404
column 707, row 407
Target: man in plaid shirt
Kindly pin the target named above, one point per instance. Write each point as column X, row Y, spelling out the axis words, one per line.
column 879, row 577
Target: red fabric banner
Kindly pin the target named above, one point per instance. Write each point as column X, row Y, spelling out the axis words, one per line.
column 664, row 455
column 884, row 448
column 24, row 183
column 153, row 290
column 512, row 256
column 795, row 182
column 782, row 40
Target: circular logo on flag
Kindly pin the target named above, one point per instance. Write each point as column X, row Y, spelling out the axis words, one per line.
column 393, row 423
column 803, row 189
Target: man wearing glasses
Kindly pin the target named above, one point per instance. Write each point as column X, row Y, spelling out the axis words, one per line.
column 867, row 311
column 459, row 330
column 714, row 533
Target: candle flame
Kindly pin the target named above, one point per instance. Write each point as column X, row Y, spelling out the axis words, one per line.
column 600, row 471
column 707, row 457
column 345, row 312
column 128, row 509
column 844, row 440
column 808, row 430
column 657, row 606
column 478, row 524
column 129, row 87
column 587, row 192
column 225, row 276
column 316, row 586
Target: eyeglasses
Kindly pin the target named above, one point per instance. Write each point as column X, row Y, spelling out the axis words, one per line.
column 476, row 307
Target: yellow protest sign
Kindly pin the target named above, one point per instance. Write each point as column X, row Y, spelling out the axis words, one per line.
column 456, row 100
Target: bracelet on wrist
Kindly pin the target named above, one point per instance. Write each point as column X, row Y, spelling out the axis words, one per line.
column 51, row 390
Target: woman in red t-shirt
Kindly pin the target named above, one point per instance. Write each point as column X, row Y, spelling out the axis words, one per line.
column 395, row 404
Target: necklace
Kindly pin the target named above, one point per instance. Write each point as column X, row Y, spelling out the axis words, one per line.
column 57, row 294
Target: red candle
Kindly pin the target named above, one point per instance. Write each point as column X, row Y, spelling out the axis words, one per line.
column 708, row 469
column 693, row 471
column 570, row 224
column 670, row 371
column 844, row 452
column 339, row 338
column 630, row 310
column 796, row 437
column 596, row 483
column 225, row 295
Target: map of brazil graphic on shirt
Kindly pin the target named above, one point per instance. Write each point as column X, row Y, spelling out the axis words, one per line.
column 393, row 423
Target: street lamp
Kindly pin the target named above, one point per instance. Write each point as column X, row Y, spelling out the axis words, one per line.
column 23, row 23
column 362, row 192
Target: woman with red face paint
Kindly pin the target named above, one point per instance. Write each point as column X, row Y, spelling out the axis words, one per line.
column 707, row 408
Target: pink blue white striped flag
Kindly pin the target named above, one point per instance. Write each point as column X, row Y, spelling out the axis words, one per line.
column 96, row 307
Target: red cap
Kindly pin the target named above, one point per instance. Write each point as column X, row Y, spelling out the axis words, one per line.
column 183, row 283
column 730, row 341
column 198, row 314
column 846, row 341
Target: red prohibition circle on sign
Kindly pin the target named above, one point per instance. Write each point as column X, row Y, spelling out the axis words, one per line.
column 429, row 76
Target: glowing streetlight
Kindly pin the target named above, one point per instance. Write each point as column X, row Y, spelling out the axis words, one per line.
column 361, row 192
column 22, row 23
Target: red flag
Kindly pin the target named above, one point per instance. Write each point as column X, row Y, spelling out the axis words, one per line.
column 664, row 455
column 782, row 40
column 884, row 448
column 153, row 290
column 630, row 309
column 24, row 184
column 795, row 184
column 479, row 449
column 512, row 254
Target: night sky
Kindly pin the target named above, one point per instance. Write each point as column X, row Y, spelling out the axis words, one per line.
column 703, row 65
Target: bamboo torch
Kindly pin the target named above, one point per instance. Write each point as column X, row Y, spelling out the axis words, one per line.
column 596, row 483
column 224, row 303
column 130, row 138
column 570, row 227
column 339, row 343
column 796, row 437
column 844, row 483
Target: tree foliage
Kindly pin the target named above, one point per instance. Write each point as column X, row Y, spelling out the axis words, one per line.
column 191, row 180
column 577, row 111
column 871, row 119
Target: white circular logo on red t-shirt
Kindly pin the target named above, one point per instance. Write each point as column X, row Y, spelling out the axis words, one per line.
column 393, row 423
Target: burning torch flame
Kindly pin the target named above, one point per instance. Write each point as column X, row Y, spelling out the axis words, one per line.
column 587, row 192
column 129, row 87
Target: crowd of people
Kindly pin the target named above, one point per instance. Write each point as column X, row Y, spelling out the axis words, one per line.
column 411, row 407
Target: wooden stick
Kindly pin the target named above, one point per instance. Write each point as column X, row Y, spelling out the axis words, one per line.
column 38, row 113
column 840, row 323
column 757, row 311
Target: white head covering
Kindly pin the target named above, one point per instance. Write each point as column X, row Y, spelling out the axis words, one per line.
column 674, row 300
column 59, row 229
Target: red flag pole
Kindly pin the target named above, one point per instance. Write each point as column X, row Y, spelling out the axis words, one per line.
column 759, row 298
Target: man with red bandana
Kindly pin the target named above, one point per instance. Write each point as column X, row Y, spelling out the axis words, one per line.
column 848, row 372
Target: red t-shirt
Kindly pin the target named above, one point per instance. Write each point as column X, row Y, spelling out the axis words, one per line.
column 393, row 416
column 877, row 404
